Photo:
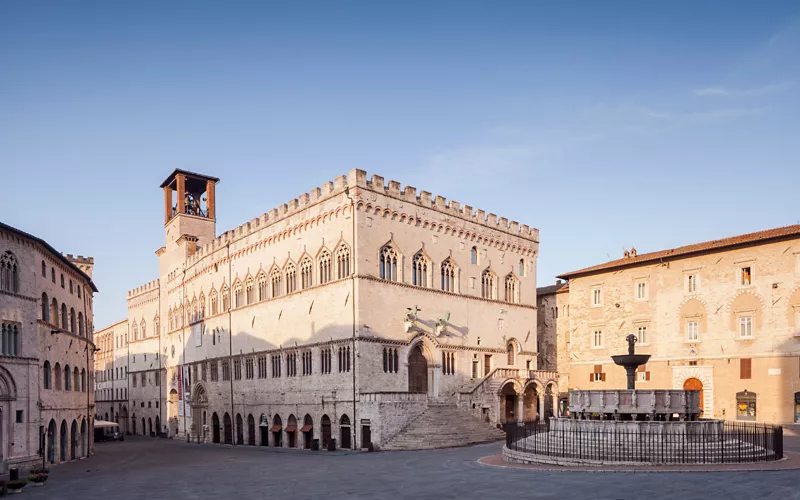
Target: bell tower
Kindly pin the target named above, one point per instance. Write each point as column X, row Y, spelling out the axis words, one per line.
column 189, row 213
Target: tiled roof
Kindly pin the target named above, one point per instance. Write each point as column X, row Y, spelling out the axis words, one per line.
column 52, row 250
column 557, row 288
column 708, row 246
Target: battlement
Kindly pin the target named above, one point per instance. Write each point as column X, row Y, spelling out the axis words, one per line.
column 147, row 287
column 80, row 259
column 358, row 178
column 429, row 201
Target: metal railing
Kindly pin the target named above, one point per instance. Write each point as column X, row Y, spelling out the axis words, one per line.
column 732, row 442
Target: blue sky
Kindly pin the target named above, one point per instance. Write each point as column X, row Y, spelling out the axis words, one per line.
column 604, row 124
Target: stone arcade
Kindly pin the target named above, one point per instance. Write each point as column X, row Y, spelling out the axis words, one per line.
column 362, row 312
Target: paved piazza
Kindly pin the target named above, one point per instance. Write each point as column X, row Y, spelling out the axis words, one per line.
column 140, row 468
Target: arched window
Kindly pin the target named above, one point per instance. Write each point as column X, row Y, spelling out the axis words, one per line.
column 511, row 288
column 521, row 267
column 67, row 378
column 226, row 300
column 45, row 308
column 291, row 278
column 156, row 326
column 473, row 255
column 47, row 373
column 44, row 270
column 9, row 273
column 213, row 299
column 57, row 373
column 10, row 339
column 62, row 280
column 83, row 379
column 342, row 261
column 135, row 331
column 54, row 312
column 76, row 380
column 249, row 298
column 81, row 326
column 488, row 284
column 449, row 275
column 511, row 354
column 275, row 279
column 306, row 273
column 324, row 267
column 262, row 286
column 64, row 317
column 388, row 263
column 420, row 266
column 195, row 313
column 143, row 329
column 201, row 303
column 53, row 274
column 72, row 327
column 237, row 294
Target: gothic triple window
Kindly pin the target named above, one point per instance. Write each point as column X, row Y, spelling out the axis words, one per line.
column 306, row 273
column 388, row 263
column 420, row 265
column 237, row 295
column 390, row 360
column 324, row 267
column 275, row 280
column 262, row 286
column 214, row 304
column 511, row 289
column 195, row 316
column 226, row 298
column 202, row 306
column 343, row 261
column 488, row 284
column 143, row 329
column 448, row 275
column 10, row 339
column 344, row 359
column 9, row 273
column 291, row 278
column 448, row 363
column 248, row 291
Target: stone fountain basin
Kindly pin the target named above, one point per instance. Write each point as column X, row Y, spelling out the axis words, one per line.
column 631, row 359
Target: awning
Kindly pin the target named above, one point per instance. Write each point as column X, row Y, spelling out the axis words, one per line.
column 104, row 424
column 306, row 428
column 291, row 428
column 276, row 428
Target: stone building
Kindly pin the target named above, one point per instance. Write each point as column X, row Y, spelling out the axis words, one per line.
column 345, row 313
column 46, row 404
column 721, row 316
column 111, row 375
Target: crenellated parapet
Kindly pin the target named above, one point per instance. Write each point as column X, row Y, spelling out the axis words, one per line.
column 147, row 287
column 85, row 264
column 426, row 200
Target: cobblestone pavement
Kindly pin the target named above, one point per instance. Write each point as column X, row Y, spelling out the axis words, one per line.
column 140, row 468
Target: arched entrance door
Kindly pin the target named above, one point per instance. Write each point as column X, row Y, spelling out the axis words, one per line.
column 144, row 427
column 149, row 426
column 158, row 426
column 344, row 431
column 239, row 429
column 123, row 416
column 51, row 442
column 508, row 403
column 693, row 384
column 73, row 437
column 63, row 449
column 83, row 438
column 326, row 431
column 214, row 428
column 277, row 431
column 308, row 431
column 417, row 370
column 530, row 403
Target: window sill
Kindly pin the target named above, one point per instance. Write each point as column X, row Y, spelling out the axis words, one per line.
column 692, row 341
column 598, row 348
column 745, row 339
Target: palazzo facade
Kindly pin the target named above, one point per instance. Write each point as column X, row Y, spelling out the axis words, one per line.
column 722, row 317
column 341, row 314
column 46, row 352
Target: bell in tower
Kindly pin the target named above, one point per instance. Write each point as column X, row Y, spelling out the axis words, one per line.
column 189, row 212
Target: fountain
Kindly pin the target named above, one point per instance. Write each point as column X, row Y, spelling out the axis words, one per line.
column 638, row 427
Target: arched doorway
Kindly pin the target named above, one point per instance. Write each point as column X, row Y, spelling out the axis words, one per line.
column 239, row 429
column 344, row 432
column 326, row 431
column 251, row 430
column 63, row 448
column 144, row 427
column 214, row 428
column 291, row 431
column 83, row 438
column 308, row 431
column 158, row 426
column 797, row 407
column 228, row 427
column 530, row 403
column 51, row 442
column 508, row 403
column 133, row 424
column 547, row 411
column 149, row 426
column 73, row 437
column 172, row 412
column 123, row 416
column 693, row 384
column 277, row 431
column 417, row 371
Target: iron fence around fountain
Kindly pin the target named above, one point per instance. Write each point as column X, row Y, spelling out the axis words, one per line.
column 732, row 442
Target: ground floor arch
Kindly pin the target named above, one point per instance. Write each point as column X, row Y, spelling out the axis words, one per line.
column 214, row 428
column 144, row 427
column 51, row 442
column 345, row 432
column 308, row 431
column 291, row 431
column 277, row 431
column 149, row 426
column 84, row 437
column 694, row 384
column 251, row 430
column 510, row 402
column 239, row 429
column 326, row 431
column 228, row 428
column 417, row 370
column 62, row 455
column 123, row 419
column 530, row 403
column 73, row 438
column 158, row 425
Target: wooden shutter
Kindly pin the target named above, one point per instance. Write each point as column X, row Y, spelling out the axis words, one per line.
column 603, row 377
column 745, row 368
column 647, row 375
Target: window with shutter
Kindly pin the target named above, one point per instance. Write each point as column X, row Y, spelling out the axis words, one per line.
column 745, row 365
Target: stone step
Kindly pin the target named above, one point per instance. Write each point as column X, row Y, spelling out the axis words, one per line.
column 443, row 425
